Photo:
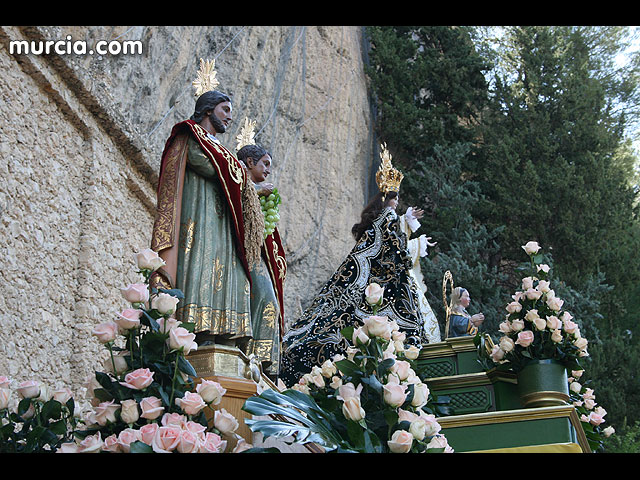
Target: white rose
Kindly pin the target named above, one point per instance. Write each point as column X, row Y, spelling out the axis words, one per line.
column 147, row 259
column 129, row 412
column 374, row 294
column 164, row 303
column 531, row 248
column 420, row 395
column 555, row 303
column 514, row 307
column 507, row 344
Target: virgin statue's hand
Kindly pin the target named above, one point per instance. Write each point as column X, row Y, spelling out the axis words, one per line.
column 417, row 213
column 430, row 244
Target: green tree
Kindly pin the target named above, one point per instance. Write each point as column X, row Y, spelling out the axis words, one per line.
column 429, row 88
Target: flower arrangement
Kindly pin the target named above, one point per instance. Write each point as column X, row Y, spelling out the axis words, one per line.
column 369, row 401
column 536, row 326
column 41, row 420
column 146, row 400
column 591, row 414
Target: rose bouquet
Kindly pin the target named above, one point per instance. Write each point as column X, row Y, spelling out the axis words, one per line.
column 536, row 326
column 370, row 400
column 146, row 400
column 41, row 419
column 591, row 414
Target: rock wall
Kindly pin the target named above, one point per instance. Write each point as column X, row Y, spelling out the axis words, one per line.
column 82, row 136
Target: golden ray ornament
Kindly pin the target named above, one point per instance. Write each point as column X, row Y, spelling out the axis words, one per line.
column 387, row 177
column 206, row 79
column 247, row 134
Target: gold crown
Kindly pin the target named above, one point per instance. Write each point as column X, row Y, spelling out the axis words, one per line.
column 206, row 79
column 387, row 177
column 246, row 135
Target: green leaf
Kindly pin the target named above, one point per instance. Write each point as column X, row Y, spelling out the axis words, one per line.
column 186, row 367
column 52, row 409
column 348, row 368
column 140, row 447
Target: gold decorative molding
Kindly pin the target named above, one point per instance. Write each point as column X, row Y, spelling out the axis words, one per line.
column 446, row 348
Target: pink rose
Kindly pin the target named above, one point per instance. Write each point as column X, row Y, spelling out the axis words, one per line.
column 188, row 443
column 181, row 338
column 352, row 410
column 556, row 336
column 151, row 408
column 105, row 412
column 173, row 419
column 126, row 437
column 402, row 369
column 554, row 323
column 527, row 283
column 4, row 382
column 29, row 389
column 111, row 444
column 360, row 336
column 497, row 354
column 106, row 332
column 241, row 446
column 555, row 303
column 147, row 432
column 136, row 293
column 532, row 294
column 394, row 394
column 440, row 441
column 348, row 390
column 224, row 421
column 138, row 379
column 91, row 444
column 5, row 395
column 432, row 425
column 212, row 443
column 525, row 338
column 569, row 326
column 129, row 319
column 506, row 344
column 166, row 324
column 514, row 307
column 194, row 427
column 166, row 439
column 62, row 395
column 191, row 403
column 400, row 442
column 376, row 326
column 595, row 419
column 517, row 324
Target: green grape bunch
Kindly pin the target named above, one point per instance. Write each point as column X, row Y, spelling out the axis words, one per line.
column 269, row 205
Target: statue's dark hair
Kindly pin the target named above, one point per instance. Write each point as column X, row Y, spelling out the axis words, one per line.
column 371, row 212
column 206, row 102
column 254, row 151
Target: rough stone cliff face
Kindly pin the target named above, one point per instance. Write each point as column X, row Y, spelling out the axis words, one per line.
column 81, row 142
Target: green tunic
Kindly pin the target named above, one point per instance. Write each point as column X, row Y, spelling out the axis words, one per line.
column 265, row 320
column 209, row 273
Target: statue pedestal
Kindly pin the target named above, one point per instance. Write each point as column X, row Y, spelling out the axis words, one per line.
column 228, row 366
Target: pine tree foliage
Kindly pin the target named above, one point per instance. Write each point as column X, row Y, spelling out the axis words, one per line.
column 513, row 134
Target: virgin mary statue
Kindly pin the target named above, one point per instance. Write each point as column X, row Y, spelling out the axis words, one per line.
column 381, row 256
